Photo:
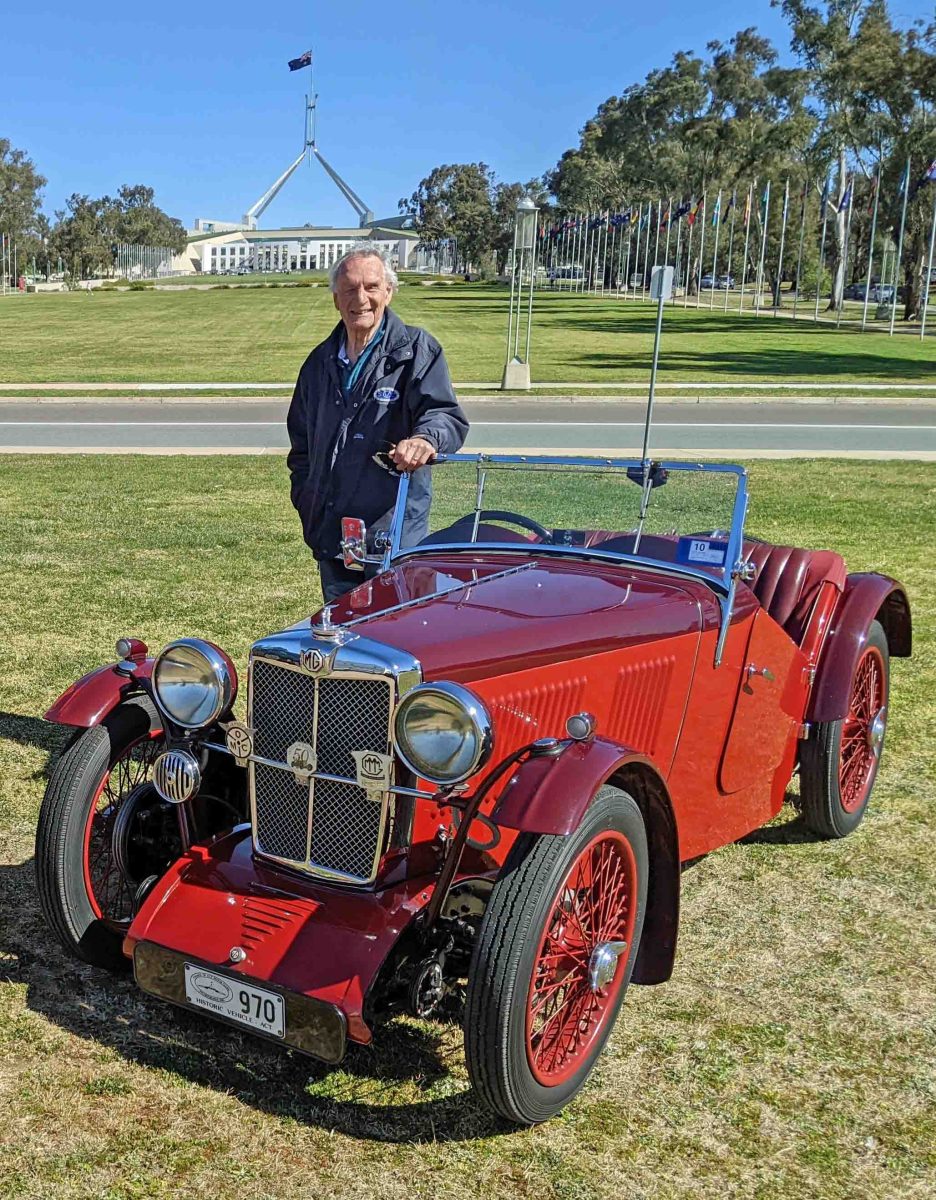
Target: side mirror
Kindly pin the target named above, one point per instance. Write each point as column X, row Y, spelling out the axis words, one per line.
column 353, row 543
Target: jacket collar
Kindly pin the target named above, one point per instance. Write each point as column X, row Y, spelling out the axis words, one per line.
column 397, row 341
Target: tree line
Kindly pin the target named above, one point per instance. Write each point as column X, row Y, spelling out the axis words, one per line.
column 836, row 128
column 83, row 237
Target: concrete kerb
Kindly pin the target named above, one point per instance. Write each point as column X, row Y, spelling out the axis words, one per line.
column 637, row 402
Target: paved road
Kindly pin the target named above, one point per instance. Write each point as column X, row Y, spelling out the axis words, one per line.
column 748, row 429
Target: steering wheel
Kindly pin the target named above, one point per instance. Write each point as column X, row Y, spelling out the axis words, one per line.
column 512, row 518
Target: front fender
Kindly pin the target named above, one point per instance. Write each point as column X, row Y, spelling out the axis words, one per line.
column 867, row 597
column 549, row 794
column 88, row 701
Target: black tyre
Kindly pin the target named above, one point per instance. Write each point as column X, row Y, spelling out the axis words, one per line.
column 839, row 760
column 102, row 831
column 553, row 959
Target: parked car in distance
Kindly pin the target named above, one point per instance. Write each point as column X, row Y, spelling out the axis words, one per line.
column 856, row 291
column 721, row 282
column 882, row 293
column 486, row 764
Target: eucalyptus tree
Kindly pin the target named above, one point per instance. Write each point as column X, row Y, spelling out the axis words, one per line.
column 874, row 87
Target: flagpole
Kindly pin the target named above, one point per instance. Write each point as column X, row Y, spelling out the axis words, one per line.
column 715, row 254
column 877, row 196
column 759, row 285
column 628, row 252
column 825, row 222
column 799, row 256
column 656, row 241
column 620, row 263
column 786, row 209
column 748, row 211
column 929, row 273
column 678, row 244
column 698, row 299
column 669, row 222
column 848, row 221
column 691, row 213
column 643, row 282
column 903, row 218
column 734, row 210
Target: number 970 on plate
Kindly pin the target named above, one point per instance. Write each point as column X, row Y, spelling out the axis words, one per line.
column 235, row 1000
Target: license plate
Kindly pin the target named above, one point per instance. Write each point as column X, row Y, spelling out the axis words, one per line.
column 236, row 1000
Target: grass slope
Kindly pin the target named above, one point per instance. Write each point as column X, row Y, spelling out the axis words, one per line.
column 262, row 335
column 792, row 1054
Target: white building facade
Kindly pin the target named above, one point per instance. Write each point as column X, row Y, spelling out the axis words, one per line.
column 306, row 249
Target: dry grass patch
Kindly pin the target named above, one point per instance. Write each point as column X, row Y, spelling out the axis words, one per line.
column 792, row 1055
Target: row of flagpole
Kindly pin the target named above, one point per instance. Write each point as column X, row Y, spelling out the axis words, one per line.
column 593, row 251
column 9, row 266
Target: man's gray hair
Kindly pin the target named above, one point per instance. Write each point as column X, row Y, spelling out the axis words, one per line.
column 363, row 250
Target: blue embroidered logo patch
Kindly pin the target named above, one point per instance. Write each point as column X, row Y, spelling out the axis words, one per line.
column 386, row 395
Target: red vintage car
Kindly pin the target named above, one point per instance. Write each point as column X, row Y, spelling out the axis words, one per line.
column 486, row 763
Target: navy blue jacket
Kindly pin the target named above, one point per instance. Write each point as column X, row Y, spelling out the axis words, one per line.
column 404, row 390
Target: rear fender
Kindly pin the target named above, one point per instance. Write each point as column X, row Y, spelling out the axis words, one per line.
column 867, row 597
column 88, row 701
column 549, row 795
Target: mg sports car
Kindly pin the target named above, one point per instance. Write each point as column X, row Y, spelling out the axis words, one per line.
column 481, row 769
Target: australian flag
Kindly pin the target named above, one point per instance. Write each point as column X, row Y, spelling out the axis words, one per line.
column 304, row 60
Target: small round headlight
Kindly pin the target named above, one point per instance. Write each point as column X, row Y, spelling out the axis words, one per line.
column 442, row 732
column 194, row 682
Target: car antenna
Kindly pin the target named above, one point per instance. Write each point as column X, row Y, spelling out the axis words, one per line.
column 661, row 289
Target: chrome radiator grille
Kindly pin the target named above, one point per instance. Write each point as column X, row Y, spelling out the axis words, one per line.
column 326, row 827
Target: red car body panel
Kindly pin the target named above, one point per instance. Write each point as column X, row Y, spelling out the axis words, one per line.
column 88, row 701
column 559, row 611
column 326, row 943
column 550, row 795
column 866, row 597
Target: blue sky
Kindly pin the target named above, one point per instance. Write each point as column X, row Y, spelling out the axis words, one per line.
column 197, row 101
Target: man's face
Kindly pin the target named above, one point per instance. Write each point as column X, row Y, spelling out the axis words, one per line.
column 362, row 293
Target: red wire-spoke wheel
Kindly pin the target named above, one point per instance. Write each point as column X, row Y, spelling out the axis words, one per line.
column 102, row 831
column 552, row 960
column 578, row 970
column 839, row 760
column 863, row 730
column 123, row 799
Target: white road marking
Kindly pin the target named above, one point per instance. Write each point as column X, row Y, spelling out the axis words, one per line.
column 134, row 424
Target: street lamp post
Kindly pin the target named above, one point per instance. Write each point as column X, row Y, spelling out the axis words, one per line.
column 522, row 274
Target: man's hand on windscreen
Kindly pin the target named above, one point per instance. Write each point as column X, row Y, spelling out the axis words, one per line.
column 411, row 453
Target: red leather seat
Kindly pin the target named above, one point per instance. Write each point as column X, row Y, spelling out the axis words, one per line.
column 788, row 581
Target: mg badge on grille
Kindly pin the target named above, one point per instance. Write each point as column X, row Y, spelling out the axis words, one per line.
column 317, row 662
column 239, row 741
column 301, row 758
column 373, row 771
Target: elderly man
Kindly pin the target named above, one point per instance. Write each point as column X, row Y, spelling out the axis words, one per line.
column 374, row 387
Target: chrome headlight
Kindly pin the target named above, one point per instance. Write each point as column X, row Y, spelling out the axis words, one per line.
column 442, row 732
column 194, row 682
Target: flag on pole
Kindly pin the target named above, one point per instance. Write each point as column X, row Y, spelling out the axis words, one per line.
column 696, row 210
column 824, row 201
column 845, row 203
column 747, row 209
column 731, row 204
column 765, row 197
column 928, row 176
column 716, row 212
column 872, row 193
column 904, row 179
column 304, row 60
column 664, row 220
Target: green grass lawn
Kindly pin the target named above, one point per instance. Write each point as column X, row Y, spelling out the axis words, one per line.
column 262, row 335
column 792, row 1054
